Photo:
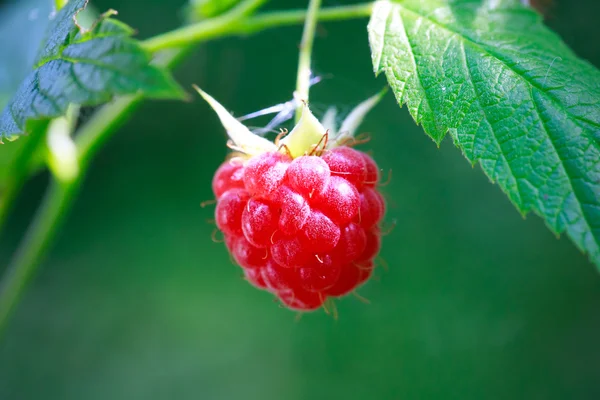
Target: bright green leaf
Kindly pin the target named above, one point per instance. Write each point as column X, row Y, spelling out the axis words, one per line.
column 510, row 93
column 85, row 67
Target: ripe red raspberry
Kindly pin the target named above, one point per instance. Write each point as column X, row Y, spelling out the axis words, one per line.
column 306, row 228
column 300, row 217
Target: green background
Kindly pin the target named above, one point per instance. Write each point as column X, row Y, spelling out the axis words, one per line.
column 136, row 302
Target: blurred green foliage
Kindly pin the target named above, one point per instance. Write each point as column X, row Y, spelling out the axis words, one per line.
column 136, row 302
column 202, row 9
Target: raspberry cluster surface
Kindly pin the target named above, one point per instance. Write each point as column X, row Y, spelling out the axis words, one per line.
column 306, row 228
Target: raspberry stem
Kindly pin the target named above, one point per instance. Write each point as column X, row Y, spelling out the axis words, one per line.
column 304, row 72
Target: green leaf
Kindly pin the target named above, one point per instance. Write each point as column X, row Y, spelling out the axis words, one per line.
column 85, row 67
column 510, row 93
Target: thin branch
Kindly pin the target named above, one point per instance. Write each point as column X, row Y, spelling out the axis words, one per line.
column 306, row 45
column 213, row 28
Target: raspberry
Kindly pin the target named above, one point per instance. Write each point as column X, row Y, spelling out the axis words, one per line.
column 372, row 171
column 230, row 175
column 320, row 233
column 353, row 241
column 371, row 208
column 247, row 255
column 229, row 211
column 254, row 277
column 348, row 280
column 372, row 246
column 304, row 229
column 294, row 210
column 347, row 163
column 320, row 275
column 340, row 201
column 278, row 278
column 259, row 222
column 289, row 252
column 308, row 175
column 301, row 217
column 301, row 300
column 265, row 172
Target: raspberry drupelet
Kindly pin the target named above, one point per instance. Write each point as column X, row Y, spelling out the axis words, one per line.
column 301, row 217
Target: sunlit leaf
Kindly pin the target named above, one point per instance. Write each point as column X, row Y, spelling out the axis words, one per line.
column 510, row 93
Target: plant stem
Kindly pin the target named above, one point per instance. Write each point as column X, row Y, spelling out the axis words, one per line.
column 36, row 241
column 274, row 19
column 214, row 27
column 198, row 32
column 306, row 45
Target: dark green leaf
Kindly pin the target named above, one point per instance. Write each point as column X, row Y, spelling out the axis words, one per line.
column 510, row 93
column 84, row 67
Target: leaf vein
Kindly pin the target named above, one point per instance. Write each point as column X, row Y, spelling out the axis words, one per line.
column 566, row 171
column 469, row 78
column 417, row 74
